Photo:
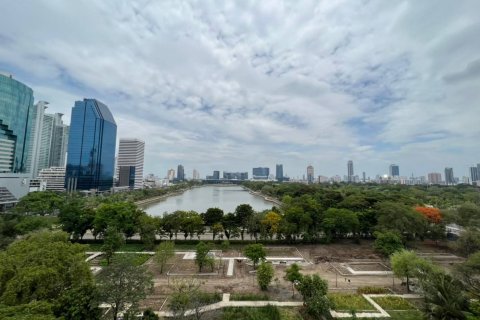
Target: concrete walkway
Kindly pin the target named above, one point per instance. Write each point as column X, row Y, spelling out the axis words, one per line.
column 225, row 303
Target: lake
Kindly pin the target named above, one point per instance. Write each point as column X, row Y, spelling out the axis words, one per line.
column 200, row 199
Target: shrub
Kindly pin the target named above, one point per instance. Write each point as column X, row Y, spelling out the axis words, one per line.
column 372, row 290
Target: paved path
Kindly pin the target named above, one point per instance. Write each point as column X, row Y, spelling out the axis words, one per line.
column 225, row 303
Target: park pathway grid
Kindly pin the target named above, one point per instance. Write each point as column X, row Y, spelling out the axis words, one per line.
column 226, row 303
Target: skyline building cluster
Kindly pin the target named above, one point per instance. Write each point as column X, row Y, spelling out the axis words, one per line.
column 38, row 151
column 36, row 147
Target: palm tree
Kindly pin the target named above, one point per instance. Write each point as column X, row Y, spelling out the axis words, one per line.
column 444, row 299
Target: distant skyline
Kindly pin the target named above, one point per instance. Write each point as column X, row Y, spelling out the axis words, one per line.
column 231, row 86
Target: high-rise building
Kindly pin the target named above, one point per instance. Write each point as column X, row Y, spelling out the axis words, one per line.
column 364, row 179
column 216, row 175
column 16, row 108
column 449, row 179
column 91, row 147
column 196, row 175
column 394, row 170
column 49, row 139
column 16, row 104
column 130, row 163
column 310, row 176
column 434, row 178
column 260, row 173
column 279, row 172
column 54, row 178
column 180, row 173
column 474, row 174
column 350, row 171
column 171, row 174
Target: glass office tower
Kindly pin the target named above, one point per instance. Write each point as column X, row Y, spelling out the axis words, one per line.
column 16, row 104
column 91, row 147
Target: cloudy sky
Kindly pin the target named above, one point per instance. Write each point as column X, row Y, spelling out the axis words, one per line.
column 230, row 85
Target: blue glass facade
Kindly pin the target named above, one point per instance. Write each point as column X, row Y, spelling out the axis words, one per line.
column 91, row 147
column 16, row 106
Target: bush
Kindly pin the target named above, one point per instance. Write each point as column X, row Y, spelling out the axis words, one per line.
column 264, row 275
column 372, row 290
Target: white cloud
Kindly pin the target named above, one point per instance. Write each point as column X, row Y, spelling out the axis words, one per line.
column 232, row 85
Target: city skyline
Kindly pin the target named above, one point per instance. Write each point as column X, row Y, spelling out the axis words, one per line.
column 291, row 84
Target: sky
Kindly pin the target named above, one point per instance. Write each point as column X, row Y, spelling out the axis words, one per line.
column 231, row 85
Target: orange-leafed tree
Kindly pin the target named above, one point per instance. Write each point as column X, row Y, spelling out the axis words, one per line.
column 431, row 214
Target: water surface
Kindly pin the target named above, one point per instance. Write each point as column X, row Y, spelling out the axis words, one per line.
column 200, row 199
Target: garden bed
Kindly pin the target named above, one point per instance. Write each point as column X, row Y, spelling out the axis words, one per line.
column 348, row 302
column 393, row 303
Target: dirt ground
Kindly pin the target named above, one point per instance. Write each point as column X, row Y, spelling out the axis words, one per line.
column 319, row 259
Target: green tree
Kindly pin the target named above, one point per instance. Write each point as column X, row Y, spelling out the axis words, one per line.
column 213, row 216
column 75, row 217
column 400, row 218
column 387, row 242
column 38, row 310
column 243, row 213
column 202, row 257
column 80, row 303
column 407, row 264
column 340, row 222
column 124, row 216
column 469, row 273
column 44, row 202
column 314, row 291
column 191, row 223
column 468, row 215
column 468, row 242
column 255, row 252
column 265, row 275
column 42, row 266
column 164, row 253
column 147, row 228
column 122, row 284
column 230, row 224
column 217, row 229
column 293, row 275
column 112, row 241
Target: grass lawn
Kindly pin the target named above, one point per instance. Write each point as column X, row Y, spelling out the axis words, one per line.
column 348, row 302
column 405, row 315
column 393, row 303
column 263, row 313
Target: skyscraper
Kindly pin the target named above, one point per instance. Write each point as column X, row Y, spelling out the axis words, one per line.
column 49, row 139
column 449, row 179
column 196, row 175
column 394, row 170
column 434, row 178
column 130, row 163
column 310, row 174
column 474, row 174
column 171, row 174
column 91, row 147
column 350, row 171
column 180, row 173
column 16, row 107
column 279, row 172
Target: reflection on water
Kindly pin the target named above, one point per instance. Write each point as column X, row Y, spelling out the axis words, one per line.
column 200, row 199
